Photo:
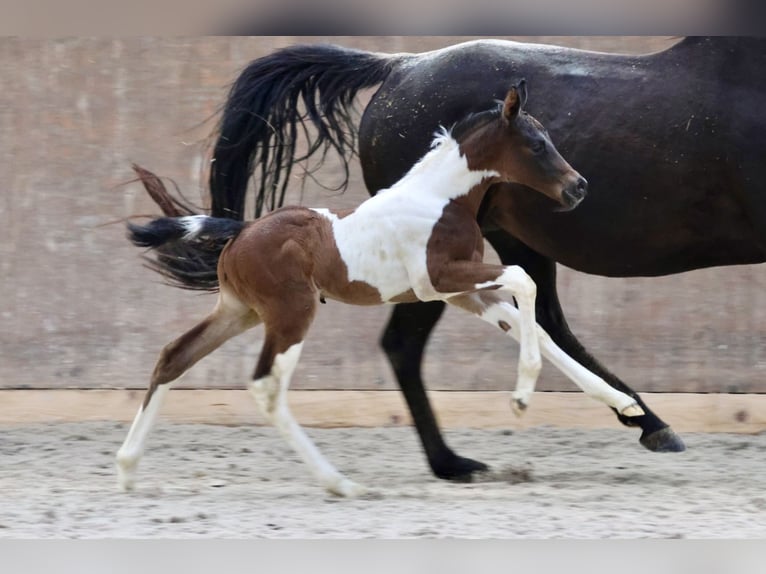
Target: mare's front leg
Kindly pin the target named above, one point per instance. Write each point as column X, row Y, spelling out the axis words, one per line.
column 656, row 435
column 404, row 341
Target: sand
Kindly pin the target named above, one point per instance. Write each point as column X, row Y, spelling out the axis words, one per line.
column 202, row 481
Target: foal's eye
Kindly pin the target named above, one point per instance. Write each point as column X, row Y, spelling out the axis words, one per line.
column 538, row 146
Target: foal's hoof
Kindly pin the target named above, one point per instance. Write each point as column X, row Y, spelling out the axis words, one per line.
column 633, row 410
column 126, row 481
column 459, row 469
column 663, row 440
column 346, row 488
column 519, row 406
column 126, row 473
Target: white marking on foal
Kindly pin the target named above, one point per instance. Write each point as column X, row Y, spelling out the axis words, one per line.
column 193, row 225
column 521, row 285
column 590, row 383
column 270, row 394
column 383, row 243
column 133, row 447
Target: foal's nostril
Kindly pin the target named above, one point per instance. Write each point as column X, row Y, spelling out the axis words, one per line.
column 575, row 193
column 582, row 187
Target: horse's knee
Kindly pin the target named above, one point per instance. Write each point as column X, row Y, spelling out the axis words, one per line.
column 527, row 287
column 515, row 279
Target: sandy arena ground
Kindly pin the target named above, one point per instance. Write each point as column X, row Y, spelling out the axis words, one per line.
column 58, row 480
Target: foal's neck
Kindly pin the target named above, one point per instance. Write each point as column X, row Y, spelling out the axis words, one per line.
column 471, row 201
column 444, row 173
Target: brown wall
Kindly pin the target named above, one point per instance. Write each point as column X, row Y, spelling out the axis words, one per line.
column 77, row 309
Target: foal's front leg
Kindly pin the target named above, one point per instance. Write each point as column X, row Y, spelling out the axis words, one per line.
column 461, row 277
column 594, row 386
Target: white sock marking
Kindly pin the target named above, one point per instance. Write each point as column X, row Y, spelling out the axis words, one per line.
column 133, row 447
column 590, row 383
column 270, row 394
column 515, row 280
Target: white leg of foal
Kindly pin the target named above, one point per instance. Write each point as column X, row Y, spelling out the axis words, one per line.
column 516, row 281
column 590, row 383
column 270, row 394
column 133, row 447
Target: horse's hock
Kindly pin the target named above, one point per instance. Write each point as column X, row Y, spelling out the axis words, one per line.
column 80, row 312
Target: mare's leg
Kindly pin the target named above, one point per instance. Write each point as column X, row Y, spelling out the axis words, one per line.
column 404, row 341
column 286, row 327
column 656, row 434
column 494, row 310
column 229, row 318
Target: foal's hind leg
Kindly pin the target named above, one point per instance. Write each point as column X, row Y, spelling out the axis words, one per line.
column 285, row 331
column 229, row 318
column 491, row 308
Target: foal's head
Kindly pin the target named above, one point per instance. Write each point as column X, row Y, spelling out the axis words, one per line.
column 509, row 141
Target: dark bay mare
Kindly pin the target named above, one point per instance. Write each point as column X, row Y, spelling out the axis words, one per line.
column 418, row 240
column 672, row 144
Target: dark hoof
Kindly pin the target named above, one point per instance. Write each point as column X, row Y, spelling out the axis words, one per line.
column 459, row 469
column 663, row 440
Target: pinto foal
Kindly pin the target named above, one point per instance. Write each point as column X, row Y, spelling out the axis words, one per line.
column 417, row 241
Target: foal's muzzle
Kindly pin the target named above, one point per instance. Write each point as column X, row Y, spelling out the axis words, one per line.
column 574, row 194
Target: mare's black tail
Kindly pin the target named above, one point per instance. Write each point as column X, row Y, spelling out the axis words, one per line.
column 187, row 248
column 261, row 119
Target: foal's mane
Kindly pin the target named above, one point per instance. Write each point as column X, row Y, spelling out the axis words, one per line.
column 463, row 126
column 474, row 121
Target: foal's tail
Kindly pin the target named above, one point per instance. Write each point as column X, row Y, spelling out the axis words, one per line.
column 187, row 248
column 260, row 124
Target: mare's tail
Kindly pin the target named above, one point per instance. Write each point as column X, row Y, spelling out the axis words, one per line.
column 261, row 118
column 187, row 248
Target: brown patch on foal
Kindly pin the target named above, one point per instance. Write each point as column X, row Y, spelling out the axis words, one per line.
column 455, row 250
column 290, row 255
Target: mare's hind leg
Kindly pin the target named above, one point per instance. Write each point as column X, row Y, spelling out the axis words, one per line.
column 494, row 310
column 286, row 328
column 229, row 318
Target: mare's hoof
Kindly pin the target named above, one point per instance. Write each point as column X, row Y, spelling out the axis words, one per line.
column 663, row 440
column 459, row 469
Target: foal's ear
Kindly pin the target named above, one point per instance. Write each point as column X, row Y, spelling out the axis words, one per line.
column 515, row 100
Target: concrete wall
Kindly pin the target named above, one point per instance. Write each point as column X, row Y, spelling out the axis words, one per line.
column 77, row 309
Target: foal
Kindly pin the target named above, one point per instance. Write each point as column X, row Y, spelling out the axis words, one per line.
column 417, row 241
